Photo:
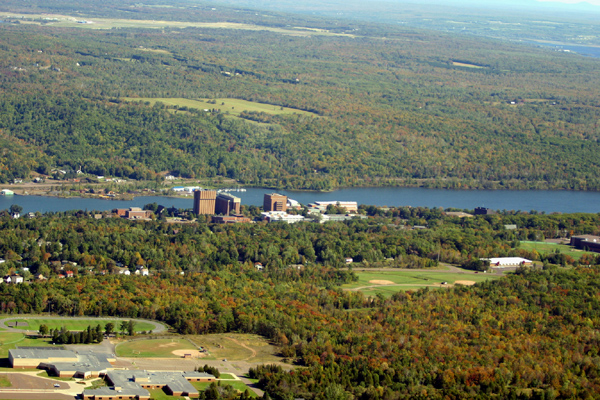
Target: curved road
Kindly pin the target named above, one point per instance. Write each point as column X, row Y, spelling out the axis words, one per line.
column 158, row 327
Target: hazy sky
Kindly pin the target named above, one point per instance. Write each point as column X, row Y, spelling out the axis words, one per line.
column 594, row 2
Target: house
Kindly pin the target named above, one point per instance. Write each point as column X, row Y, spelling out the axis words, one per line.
column 348, row 260
column 14, row 279
column 142, row 271
column 258, row 266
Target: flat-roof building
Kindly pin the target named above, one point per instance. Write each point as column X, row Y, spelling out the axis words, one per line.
column 586, row 242
column 204, row 202
column 226, row 204
column 274, row 202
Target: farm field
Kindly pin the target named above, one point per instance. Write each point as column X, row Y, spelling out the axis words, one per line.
column 232, row 106
column 33, row 324
column 154, row 348
column 545, row 248
column 389, row 282
column 237, row 347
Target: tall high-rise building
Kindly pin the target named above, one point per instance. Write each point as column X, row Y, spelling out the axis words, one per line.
column 204, row 202
column 227, row 204
column 274, row 202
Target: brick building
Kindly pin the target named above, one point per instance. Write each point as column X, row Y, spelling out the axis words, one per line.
column 204, row 202
column 274, row 202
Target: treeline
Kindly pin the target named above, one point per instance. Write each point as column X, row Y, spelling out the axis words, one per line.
column 44, row 245
column 453, row 343
column 87, row 336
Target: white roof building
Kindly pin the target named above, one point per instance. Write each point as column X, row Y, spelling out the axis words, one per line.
column 274, row 216
column 501, row 262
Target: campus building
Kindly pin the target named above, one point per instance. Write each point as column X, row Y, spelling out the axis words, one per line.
column 274, row 202
column 204, row 202
column 586, row 242
column 134, row 385
column 227, row 204
column 60, row 362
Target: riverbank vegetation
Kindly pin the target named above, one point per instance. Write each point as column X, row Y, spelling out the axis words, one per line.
column 379, row 105
column 455, row 342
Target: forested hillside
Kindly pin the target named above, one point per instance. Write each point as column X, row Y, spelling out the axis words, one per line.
column 392, row 105
column 533, row 334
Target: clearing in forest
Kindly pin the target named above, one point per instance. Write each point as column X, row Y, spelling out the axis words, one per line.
column 232, row 107
column 388, row 282
column 237, row 347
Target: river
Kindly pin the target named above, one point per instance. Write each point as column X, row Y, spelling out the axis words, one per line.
column 523, row 200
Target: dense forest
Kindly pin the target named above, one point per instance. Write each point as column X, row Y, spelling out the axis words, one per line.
column 391, row 105
column 533, row 334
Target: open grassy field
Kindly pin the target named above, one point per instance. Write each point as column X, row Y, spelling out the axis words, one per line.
column 68, row 21
column 232, row 106
column 238, row 385
column 460, row 64
column 153, row 348
column 9, row 340
column 237, row 347
column 390, row 282
column 33, row 324
column 545, row 248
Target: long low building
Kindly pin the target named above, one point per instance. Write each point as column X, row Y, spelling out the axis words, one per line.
column 500, row 262
column 586, row 242
column 134, row 385
column 60, row 362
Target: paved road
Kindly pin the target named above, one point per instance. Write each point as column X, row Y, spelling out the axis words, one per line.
column 158, row 327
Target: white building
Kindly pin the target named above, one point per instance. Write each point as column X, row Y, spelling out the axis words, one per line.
column 274, row 216
column 501, row 262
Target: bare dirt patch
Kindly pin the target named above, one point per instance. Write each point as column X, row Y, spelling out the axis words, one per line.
column 172, row 344
column 191, row 353
column 466, row 283
column 381, row 282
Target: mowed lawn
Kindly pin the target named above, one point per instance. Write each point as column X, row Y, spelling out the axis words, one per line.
column 33, row 324
column 389, row 282
column 238, row 385
column 545, row 248
column 9, row 340
column 233, row 106
column 153, row 348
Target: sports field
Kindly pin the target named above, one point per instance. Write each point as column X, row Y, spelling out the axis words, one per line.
column 33, row 324
column 237, row 347
column 155, row 348
column 9, row 340
column 232, row 106
column 545, row 248
column 389, row 282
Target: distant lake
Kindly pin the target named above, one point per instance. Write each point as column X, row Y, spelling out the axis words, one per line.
column 523, row 200
column 583, row 50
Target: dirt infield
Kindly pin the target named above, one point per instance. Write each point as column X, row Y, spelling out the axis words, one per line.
column 192, row 353
column 381, row 282
column 466, row 283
